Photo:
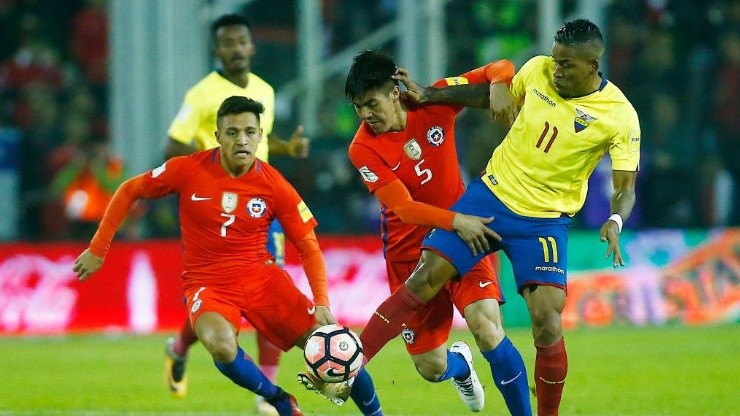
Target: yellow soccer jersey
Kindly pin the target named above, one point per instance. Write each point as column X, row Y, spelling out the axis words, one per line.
column 195, row 123
column 541, row 168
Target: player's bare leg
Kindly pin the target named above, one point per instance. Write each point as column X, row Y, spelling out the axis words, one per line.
column 507, row 366
column 455, row 364
column 219, row 337
column 545, row 304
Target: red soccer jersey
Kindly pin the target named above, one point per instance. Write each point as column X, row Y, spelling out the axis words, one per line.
column 224, row 220
column 422, row 156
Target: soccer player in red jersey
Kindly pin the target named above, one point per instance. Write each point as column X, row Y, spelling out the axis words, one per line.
column 192, row 130
column 227, row 199
column 406, row 156
column 534, row 182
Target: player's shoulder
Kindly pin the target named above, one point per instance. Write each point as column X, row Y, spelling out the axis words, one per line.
column 537, row 63
column 364, row 141
column 617, row 99
column 256, row 81
column 207, row 83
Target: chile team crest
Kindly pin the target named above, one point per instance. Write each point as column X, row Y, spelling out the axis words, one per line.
column 256, row 207
column 582, row 120
column 435, row 135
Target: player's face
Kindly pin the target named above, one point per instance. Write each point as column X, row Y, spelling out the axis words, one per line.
column 238, row 135
column 573, row 70
column 379, row 109
column 234, row 48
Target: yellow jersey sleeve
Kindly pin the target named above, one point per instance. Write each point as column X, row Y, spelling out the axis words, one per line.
column 625, row 147
column 187, row 121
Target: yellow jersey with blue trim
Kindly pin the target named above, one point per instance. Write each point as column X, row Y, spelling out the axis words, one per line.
column 542, row 166
column 195, row 123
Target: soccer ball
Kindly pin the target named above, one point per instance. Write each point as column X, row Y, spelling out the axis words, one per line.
column 333, row 353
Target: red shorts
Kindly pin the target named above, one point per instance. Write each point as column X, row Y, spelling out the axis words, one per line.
column 430, row 328
column 268, row 299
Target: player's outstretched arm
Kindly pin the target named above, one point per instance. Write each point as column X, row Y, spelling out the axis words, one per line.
column 467, row 95
column 622, row 203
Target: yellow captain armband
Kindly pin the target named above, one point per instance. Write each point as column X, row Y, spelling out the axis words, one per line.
column 456, row 81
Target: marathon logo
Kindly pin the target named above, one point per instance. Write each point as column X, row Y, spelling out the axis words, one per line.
column 544, row 98
column 549, row 269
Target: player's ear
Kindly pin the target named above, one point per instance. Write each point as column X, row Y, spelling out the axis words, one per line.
column 218, row 138
column 395, row 93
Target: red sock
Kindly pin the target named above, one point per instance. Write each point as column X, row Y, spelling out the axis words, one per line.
column 184, row 339
column 550, row 369
column 269, row 356
column 388, row 320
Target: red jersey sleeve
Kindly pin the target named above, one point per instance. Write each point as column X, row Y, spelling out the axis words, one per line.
column 374, row 171
column 293, row 214
column 492, row 73
column 154, row 184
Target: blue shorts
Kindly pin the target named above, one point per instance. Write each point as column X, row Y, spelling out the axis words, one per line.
column 276, row 242
column 536, row 247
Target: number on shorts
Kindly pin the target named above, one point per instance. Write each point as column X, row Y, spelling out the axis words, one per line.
column 552, row 248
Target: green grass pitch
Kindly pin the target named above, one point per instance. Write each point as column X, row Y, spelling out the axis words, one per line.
column 615, row 371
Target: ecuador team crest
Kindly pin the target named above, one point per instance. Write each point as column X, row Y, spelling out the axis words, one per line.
column 582, row 120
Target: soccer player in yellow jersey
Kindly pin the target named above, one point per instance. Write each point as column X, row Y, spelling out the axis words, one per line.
column 569, row 117
column 193, row 130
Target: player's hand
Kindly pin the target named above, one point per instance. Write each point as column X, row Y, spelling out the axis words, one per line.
column 324, row 316
column 414, row 92
column 610, row 233
column 298, row 146
column 502, row 105
column 86, row 264
column 474, row 231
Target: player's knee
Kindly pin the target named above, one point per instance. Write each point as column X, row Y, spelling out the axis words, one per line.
column 431, row 368
column 484, row 320
column 547, row 328
column 222, row 347
column 432, row 273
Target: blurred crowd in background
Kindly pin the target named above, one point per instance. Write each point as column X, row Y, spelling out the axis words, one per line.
column 677, row 61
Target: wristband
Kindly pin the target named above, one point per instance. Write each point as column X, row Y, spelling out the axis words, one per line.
column 618, row 219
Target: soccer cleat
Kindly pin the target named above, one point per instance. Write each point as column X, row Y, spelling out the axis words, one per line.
column 337, row 393
column 285, row 404
column 470, row 389
column 174, row 372
column 265, row 409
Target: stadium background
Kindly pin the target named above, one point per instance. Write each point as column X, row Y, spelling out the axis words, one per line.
column 79, row 77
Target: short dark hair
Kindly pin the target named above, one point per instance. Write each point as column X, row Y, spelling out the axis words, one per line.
column 232, row 19
column 577, row 32
column 238, row 104
column 370, row 70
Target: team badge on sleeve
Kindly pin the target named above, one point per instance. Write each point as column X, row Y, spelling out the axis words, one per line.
column 256, row 207
column 304, row 212
column 229, row 201
column 412, row 149
column 158, row 171
column 634, row 141
column 436, row 135
column 368, row 175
